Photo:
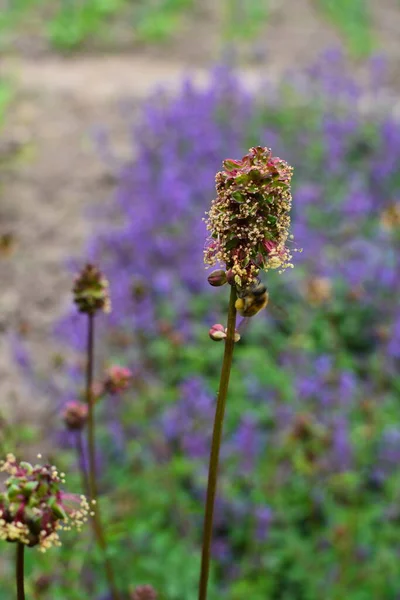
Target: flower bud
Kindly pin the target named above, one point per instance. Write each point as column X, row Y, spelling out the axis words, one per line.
column 217, row 332
column 230, row 277
column 75, row 415
column 117, row 379
column 217, row 278
column 144, row 592
column 91, row 291
column 236, row 335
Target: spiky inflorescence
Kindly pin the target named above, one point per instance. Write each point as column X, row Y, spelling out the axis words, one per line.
column 33, row 508
column 91, row 291
column 144, row 592
column 249, row 220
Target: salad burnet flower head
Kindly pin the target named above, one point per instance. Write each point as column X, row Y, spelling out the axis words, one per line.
column 249, row 220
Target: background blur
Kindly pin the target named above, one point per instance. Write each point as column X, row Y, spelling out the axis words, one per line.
column 96, row 162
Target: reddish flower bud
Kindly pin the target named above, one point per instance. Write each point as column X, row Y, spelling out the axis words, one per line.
column 217, row 333
column 230, row 277
column 91, row 291
column 144, row 592
column 217, row 278
column 75, row 415
column 117, row 379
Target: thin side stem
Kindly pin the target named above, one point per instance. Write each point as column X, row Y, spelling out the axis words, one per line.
column 216, row 445
column 92, row 483
column 19, row 571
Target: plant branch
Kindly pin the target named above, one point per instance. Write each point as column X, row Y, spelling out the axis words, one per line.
column 19, row 572
column 216, row 445
column 96, row 520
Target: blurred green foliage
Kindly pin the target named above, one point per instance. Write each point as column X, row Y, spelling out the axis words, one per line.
column 5, row 99
column 353, row 20
column 70, row 23
column 244, row 20
column 75, row 21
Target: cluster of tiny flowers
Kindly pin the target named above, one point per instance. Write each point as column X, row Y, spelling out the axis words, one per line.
column 249, row 220
column 33, row 508
column 91, row 291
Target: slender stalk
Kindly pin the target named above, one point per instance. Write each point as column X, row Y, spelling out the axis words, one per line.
column 90, row 402
column 19, row 571
column 97, row 523
column 81, row 462
column 215, row 447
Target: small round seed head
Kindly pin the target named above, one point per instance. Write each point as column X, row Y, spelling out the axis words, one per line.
column 91, row 291
column 144, row 592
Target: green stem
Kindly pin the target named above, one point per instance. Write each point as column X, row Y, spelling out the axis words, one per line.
column 96, row 520
column 216, row 445
column 20, row 571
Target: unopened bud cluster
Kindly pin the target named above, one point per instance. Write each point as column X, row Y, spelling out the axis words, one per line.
column 218, row 333
column 91, row 291
column 33, row 508
column 249, row 220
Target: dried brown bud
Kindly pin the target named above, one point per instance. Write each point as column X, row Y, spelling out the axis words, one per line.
column 217, row 278
column 217, row 332
column 91, row 291
column 75, row 415
column 318, row 290
column 144, row 592
column 390, row 217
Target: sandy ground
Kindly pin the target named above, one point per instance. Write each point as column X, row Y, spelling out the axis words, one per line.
column 58, row 101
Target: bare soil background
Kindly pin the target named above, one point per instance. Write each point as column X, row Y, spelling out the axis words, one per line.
column 46, row 189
